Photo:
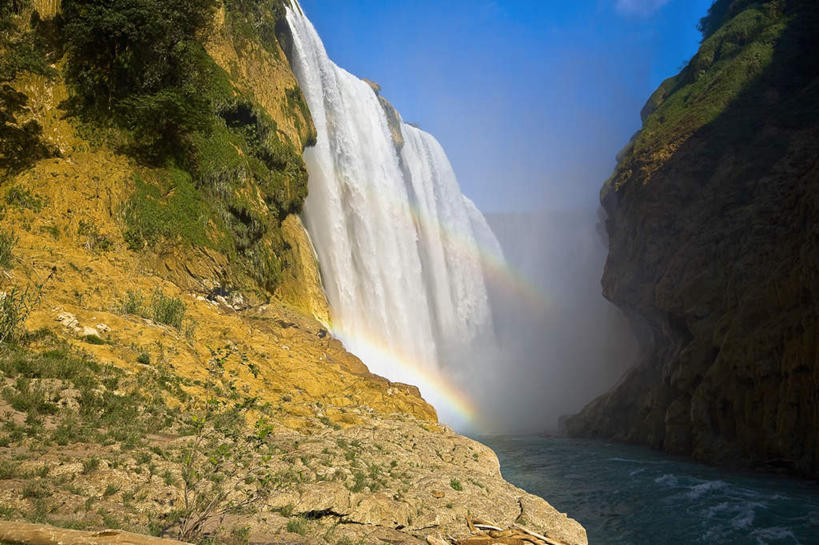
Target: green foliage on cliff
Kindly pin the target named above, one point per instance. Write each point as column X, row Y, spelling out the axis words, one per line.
column 255, row 20
column 170, row 207
column 227, row 175
column 739, row 41
column 139, row 65
column 22, row 49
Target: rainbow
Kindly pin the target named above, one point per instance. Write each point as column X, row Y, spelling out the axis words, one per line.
column 453, row 405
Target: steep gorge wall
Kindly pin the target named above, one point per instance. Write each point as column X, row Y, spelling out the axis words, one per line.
column 713, row 219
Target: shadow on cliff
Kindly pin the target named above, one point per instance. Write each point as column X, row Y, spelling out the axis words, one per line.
column 715, row 257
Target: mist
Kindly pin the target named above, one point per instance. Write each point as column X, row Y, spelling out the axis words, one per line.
column 560, row 343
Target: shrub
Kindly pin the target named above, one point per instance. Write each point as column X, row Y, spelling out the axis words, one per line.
column 456, row 484
column 167, row 310
column 8, row 469
column 93, row 339
column 29, row 399
column 35, row 489
column 133, row 303
column 144, row 358
column 90, row 465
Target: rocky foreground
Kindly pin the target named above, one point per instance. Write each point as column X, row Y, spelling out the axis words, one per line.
column 139, row 396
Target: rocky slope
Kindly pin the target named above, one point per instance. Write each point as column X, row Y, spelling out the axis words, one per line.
column 714, row 254
column 164, row 366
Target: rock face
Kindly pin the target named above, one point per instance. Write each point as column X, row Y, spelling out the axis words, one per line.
column 713, row 215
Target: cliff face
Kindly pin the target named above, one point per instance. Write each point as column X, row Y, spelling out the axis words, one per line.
column 714, row 250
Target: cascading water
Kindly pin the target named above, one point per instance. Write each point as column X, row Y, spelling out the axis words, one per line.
column 395, row 238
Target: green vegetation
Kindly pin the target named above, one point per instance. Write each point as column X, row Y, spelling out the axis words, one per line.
column 172, row 209
column 213, row 467
column 214, row 169
column 23, row 198
column 162, row 309
column 138, row 64
column 15, row 306
column 739, row 41
column 94, row 239
column 227, row 176
column 456, row 484
column 255, row 20
column 7, row 243
column 167, row 310
column 297, row 525
column 21, row 50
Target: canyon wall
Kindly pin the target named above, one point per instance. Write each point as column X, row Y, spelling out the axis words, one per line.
column 713, row 220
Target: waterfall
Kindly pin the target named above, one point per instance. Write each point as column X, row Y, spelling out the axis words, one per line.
column 397, row 242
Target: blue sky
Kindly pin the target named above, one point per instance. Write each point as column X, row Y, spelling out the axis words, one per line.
column 531, row 99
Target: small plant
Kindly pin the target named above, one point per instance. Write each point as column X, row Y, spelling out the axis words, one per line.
column 15, row 306
column 23, row 198
column 297, row 525
column 94, row 239
column 144, row 358
column 35, row 489
column 456, row 484
column 167, row 310
column 287, row 510
column 90, row 465
column 8, row 469
column 110, row 490
column 240, row 535
column 133, row 303
column 7, row 243
column 93, row 339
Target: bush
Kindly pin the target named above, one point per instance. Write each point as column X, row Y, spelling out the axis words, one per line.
column 133, row 303
column 93, row 339
column 90, row 465
column 167, row 310
column 32, row 400
column 35, row 489
column 144, row 358
column 456, row 484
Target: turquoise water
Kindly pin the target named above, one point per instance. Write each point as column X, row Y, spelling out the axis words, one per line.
column 626, row 495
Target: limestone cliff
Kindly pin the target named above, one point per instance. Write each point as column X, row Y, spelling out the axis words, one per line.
column 713, row 249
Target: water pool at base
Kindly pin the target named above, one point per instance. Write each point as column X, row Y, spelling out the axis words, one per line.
column 627, row 495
